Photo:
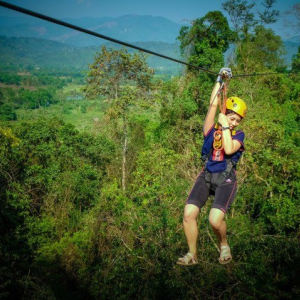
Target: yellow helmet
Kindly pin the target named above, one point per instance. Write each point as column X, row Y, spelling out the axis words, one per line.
column 237, row 105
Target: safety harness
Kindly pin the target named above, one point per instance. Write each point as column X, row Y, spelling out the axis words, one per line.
column 231, row 166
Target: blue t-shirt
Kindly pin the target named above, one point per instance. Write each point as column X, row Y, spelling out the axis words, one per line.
column 217, row 159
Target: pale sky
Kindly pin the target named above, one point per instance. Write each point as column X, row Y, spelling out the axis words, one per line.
column 175, row 10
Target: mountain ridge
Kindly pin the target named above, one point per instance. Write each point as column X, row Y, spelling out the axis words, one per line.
column 42, row 53
column 127, row 28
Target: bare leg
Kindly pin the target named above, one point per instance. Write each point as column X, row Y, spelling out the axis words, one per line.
column 191, row 212
column 216, row 219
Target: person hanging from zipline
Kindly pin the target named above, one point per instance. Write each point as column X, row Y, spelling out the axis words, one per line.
column 221, row 150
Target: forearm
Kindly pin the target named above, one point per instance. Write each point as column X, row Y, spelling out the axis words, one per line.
column 230, row 146
column 215, row 95
column 227, row 142
column 213, row 104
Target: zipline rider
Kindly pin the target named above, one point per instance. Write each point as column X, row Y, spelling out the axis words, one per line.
column 222, row 148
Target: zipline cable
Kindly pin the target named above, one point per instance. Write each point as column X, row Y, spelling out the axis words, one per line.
column 77, row 28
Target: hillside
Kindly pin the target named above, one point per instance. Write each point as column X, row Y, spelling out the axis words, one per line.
column 31, row 41
column 128, row 28
column 41, row 53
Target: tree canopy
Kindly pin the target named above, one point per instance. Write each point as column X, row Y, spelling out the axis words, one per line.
column 93, row 185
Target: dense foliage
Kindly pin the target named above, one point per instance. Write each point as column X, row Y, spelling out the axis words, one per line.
column 71, row 228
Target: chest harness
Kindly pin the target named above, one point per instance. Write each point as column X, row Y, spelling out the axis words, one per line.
column 211, row 181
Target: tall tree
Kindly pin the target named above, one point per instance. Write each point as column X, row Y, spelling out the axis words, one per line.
column 269, row 15
column 261, row 50
column 292, row 19
column 204, row 44
column 256, row 48
column 206, row 40
column 244, row 19
column 240, row 14
column 123, row 79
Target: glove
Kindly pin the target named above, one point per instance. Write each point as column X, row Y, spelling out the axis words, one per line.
column 224, row 72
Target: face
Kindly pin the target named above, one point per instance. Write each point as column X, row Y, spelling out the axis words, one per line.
column 233, row 120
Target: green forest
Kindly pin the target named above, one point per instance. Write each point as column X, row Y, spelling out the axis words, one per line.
column 95, row 168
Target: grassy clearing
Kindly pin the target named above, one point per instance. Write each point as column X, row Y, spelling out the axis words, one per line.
column 83, row 114
column 72, row 108
column 71, row 88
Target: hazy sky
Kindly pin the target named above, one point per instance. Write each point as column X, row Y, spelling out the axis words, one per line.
column 175, row 10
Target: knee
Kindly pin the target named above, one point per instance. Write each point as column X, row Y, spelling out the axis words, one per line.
column 188, row 217
column 190, row 213
column 215, row 223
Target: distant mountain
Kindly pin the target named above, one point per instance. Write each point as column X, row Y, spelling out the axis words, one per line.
column 42, row 53
column 128, row 28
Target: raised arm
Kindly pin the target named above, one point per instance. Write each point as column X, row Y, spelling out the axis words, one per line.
column 214, row 100
column 213, row 105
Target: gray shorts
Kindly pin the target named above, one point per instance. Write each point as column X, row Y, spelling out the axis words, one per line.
column 224, row 193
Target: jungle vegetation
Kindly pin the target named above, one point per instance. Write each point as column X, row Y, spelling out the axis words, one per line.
column 94, row 176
